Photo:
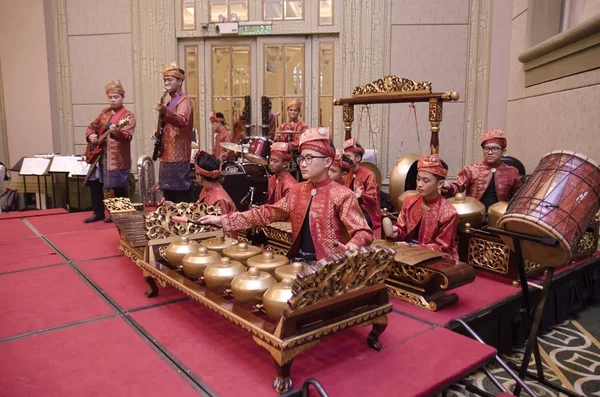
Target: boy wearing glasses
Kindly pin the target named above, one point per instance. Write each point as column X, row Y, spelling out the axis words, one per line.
column 491, row 180
column 363, row 182
column 325, row 215
column 281, row 181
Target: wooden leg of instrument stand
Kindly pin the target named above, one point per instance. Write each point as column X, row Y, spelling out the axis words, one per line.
column 153, row 291
column 379, row 325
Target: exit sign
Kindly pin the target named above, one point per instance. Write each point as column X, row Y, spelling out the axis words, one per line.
column 255, row 30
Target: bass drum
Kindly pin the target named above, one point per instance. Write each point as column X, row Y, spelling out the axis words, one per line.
column 246, row 183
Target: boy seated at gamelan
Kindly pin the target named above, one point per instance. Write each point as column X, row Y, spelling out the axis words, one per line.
column 363, row 182
column 208, row 170
column 427, row 218
column 324, row 215
column 281, row 181
column 340, row 168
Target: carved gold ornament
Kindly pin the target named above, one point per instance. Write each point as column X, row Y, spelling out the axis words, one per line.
column 118, row 204
column 489, row 255
column 158, row 224
column 393, row 84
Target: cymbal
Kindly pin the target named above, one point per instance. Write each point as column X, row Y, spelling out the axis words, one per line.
column 231, row 146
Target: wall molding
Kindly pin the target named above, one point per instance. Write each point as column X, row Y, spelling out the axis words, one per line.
column 478, row 78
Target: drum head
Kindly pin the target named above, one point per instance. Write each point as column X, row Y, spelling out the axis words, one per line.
column 257, row 159
column 535, row 252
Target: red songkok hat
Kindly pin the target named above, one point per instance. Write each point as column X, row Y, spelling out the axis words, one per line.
column 115, row 87
column 280, row 150
column 494, row 136
column 339, row 161
column 317, row 139
column 213, row 117
column 171, row 69
column 295, row 103
column 201, row 171
column 432, row 163
column 350, row 146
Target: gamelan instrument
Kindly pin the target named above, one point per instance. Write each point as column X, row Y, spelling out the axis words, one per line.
column 94, row 151
column 246, row 183
column 159, row 130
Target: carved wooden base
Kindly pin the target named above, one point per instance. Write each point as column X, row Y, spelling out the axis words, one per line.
column 436, row 301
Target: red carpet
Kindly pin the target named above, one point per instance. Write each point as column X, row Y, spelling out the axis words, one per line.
column 123, row 282
column 471, row 297
column 33, row 213
column 218, row 351
column 91, row 244
column 26, row 253
column 87, row 360
column 14, row 228
column 67, row 223
column 45, row 298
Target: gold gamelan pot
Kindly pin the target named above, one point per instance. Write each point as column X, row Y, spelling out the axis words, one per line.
column 469, row 210
column 218, row 276
column 219, row 243
column 495, row 212
column 403, row 197
column 268, row 262
column 403, row 177
column 290, row 271
column 241, row 252
column 250, row 286
column 195, row 262
column 276, row 297
column 178, row 249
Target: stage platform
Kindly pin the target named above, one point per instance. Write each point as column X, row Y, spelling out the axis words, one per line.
column 75, row 321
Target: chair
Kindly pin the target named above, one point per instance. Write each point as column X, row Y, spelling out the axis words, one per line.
column 514, row 162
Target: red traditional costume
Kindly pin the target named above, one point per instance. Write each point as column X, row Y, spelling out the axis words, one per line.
column 369, row 201
column 216, row 196
column 436, row 220
column 176, row 138
column 334, row 212
column 221, row 135
column 295, row 126
column 475, row 178
column 280, row 184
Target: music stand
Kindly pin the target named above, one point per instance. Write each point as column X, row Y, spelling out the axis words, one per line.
column 35, row 166
column 532, row 342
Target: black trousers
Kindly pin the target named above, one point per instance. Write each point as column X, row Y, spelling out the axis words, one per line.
column 178, row 196
column 97, row 191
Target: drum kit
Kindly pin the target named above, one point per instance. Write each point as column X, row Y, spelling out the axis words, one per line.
column 246, row 178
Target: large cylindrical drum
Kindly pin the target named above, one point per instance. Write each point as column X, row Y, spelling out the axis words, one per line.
column 559, row 200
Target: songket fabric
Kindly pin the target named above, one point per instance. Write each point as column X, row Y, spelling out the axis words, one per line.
column 279, row 186
column 115, row 164
column 475, row 179
column 216, row 196
column 334, row 215
column 370, row 201
column 292, row 139
column 439, row 222
column 222, row 135
column 176, row 145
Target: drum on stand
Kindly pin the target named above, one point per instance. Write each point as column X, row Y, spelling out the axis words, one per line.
column 246, row 183
column 259, row 150
column 559, row 200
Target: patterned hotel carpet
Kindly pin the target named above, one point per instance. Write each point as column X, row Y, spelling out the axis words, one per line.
column 571, row 356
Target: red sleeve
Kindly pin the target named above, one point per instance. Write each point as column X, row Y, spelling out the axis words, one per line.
column 463, row 179
column 351, row 216
column 181, row 116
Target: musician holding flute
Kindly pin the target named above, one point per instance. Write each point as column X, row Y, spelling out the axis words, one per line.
column 174, row 137
column 109, row 151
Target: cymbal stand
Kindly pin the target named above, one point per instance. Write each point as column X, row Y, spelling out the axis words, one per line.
column 532, row 341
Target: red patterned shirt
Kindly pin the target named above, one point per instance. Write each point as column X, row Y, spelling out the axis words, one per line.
column 369, row 200
column 216, row 196
column 177, row 133
column 293, row 139
column 475, row 179
column 279, row 186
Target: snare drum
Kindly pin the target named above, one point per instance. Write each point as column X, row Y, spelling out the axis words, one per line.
column 259, row 151
column 246, row 183
column 559, row 200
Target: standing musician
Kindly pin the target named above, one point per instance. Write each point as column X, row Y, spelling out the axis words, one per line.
column 322, row 213
column 294, row 124
column 341, row 167
column 178, row 121
column 491, row 180
column 208, row 170
column 427, row 217
column 109, row 179
column 221, row 134
column 281, row 180
column 363, row 183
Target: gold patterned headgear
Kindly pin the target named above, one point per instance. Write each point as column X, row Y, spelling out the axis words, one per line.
column 295, row 103
column 494, row 136
column 171, row 69
column 280, row 150
column 317, row 139
column 115, row 87
column 433, row 164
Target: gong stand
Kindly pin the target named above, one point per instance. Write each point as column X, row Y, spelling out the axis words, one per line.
column 532, row 342
column 395, row 89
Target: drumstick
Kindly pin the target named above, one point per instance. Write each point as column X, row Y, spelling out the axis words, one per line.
column 338, row 244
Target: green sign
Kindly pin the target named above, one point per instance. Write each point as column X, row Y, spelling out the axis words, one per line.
column 254, row 30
